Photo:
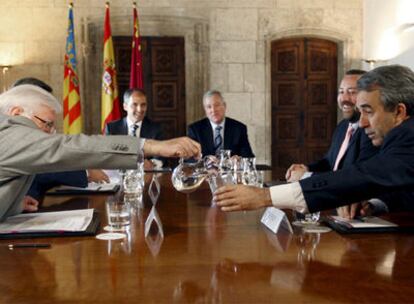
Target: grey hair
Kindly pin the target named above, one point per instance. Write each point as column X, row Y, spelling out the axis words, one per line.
column 211, row 93
column 395, row 84
column 29, row 97
column 128, row 93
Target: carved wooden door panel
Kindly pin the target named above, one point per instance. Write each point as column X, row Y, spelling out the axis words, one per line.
column 164, row 79
column 304, row 80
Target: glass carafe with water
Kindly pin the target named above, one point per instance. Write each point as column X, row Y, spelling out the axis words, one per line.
column 188, row 176
column 225, row 160
column 249, row 175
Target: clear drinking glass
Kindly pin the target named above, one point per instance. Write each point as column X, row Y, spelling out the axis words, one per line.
column 259, row 178
column 225, row 160
column 133, row 182
column 216, row 181
column 119, row 214
column 249, row 175
column 301, row 219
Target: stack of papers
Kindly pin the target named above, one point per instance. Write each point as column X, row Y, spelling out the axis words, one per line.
column 363, row 222
column 48, row 222
column 360, row 224
column 91, row 188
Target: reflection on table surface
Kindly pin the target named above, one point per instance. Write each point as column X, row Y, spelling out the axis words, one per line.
column 194, row 253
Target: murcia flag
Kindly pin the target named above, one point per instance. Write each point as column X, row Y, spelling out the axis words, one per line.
column 135, row 78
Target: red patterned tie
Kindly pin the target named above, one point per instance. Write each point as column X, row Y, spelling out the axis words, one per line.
column 344, row 146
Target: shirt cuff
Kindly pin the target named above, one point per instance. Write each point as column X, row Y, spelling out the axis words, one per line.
column 289, row 196
column 306, row 174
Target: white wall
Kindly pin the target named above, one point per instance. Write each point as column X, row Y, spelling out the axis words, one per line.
column 389, row 32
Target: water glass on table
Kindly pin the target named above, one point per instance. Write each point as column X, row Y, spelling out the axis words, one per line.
column 118, row 213
column 219, row 180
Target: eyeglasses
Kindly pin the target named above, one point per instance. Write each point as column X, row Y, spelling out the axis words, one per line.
column 50, row 125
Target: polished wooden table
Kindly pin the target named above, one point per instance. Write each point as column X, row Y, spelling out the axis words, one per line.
column 207, row 256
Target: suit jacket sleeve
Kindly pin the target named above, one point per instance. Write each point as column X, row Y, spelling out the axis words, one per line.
column 25, row 150
column 245, row 148
column 391, row 170
column 45, row 181
column 192, row 134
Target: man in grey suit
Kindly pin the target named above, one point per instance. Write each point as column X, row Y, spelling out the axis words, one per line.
column 136, row 123
column 29, row 145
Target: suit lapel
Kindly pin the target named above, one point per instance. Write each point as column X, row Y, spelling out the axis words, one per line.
column 124, row 127
column 208, row 133
column 227, row 134
column 145, row 130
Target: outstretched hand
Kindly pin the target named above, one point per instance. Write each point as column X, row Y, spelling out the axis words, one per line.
column 241, row 197
column 177, row 147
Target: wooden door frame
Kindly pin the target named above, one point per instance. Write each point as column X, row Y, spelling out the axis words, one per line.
column 303, row 66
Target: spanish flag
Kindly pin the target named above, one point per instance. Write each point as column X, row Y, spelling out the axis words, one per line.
column 72, row 118
column 109, row 102
column 136, row 78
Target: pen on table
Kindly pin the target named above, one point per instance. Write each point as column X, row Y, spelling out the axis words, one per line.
column 29, row 245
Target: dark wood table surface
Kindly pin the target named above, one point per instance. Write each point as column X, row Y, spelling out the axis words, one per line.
column 207, row 256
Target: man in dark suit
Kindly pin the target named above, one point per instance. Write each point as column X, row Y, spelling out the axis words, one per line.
column 386, row 102
column 359, row 147
column 136, row 123
column 216, row 131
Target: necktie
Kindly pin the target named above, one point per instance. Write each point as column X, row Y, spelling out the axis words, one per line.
column 218, row 140
column 344, row 146
column 134, row 129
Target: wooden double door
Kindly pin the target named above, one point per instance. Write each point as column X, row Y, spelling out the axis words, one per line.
column 164, row 79
column 304, row 110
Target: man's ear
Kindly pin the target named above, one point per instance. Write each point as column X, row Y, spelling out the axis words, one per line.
column 15, row 111
column 401, row 112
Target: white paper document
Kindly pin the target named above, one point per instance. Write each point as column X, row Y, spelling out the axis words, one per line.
column 364, row 222
column 92, row 187
column 73, row 220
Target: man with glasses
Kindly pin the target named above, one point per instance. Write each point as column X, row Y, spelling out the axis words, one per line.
column 45, row 181
column 26, row 149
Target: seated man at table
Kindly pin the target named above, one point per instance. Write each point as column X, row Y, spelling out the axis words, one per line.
column 28, row 147
column 386, row 102
column 349, row 143
column 136, row 123
column 45, row 181
column 356, row 146
column 217, row 131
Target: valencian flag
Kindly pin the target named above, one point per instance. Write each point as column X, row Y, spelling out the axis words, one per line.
column 135, row 78
column 109, row 101
column 72, row 119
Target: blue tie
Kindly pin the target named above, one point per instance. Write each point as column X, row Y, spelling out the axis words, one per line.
column 218, row 140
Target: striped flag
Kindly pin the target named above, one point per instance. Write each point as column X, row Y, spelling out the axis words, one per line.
column 136, row 78
column 109, row 102
column 72, row 118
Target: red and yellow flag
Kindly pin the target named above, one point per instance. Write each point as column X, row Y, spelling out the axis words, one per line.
column 136, row 74
column 72, row 118
column 109, row 102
